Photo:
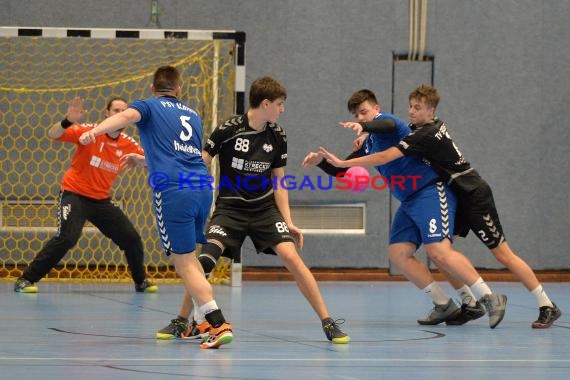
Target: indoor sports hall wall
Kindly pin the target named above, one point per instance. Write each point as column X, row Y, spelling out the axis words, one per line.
column 501, row 67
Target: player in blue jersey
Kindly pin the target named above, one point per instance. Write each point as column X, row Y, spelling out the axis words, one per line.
column 432, row 141
column 171, row 135
column 425, row 215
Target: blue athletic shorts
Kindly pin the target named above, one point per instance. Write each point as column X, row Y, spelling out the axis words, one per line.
column 425, row 217
column 181, row 215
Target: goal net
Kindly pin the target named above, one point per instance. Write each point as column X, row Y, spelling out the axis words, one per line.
column 39, row 73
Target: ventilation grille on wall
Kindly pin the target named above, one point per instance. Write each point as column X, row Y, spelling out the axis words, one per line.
column 333, row 218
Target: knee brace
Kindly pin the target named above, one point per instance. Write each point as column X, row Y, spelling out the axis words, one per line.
column 209, row 257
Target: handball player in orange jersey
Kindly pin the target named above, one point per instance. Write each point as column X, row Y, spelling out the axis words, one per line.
column 85, row 196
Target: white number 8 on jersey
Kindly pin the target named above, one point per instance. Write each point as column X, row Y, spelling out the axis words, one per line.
column 241, row 144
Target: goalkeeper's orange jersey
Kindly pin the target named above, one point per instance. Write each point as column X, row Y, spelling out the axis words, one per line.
column 95, row 166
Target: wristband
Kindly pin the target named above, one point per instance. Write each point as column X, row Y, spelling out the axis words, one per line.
column 66, row 123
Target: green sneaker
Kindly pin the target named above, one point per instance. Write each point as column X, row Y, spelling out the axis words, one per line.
column 174, row 330
column 333, row 331
column 146, row 287
column 24, row 286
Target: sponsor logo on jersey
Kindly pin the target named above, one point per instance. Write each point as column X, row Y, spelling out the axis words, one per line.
column 250, row 166
column 186, row 148
column 256, row 166
column 237, row 163
column 98, row 162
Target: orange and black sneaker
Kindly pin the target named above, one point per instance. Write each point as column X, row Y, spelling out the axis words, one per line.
column 218, row 336
column 197, row 330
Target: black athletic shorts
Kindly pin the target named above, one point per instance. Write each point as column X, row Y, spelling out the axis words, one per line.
column 266, row 228
column 476, row 211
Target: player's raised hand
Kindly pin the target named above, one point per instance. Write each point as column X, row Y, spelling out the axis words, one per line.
column 132, row 160
column 313, row 158
column 75, row 110
column 331, row 158
column 356, row 127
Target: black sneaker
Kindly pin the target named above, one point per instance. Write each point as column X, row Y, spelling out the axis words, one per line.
column 146, row 287
column 441, row 313
column 24, row 286
column 546, row 317
column 468, row 313
column 174, row 330
column 333, row 331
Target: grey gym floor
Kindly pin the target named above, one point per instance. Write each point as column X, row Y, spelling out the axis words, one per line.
column 106, row 331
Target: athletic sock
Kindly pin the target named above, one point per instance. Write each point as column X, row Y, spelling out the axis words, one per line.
column 541, row 297
column 467, row 296
column 198, row 315
column 481, row 288
column 208, row 307
column 436, row 293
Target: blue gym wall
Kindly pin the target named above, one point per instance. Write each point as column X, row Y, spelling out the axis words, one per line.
column 501, row 67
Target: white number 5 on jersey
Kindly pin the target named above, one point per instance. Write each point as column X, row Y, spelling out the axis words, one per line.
column 186, row 125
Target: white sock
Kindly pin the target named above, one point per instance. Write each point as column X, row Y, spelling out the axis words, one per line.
column 198, row 316
column 541, row 297
column 208, row 307
column 436, row 293
column 466, row 295
column 481, row 288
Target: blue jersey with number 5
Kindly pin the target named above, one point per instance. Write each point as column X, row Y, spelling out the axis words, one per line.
column 171, row 136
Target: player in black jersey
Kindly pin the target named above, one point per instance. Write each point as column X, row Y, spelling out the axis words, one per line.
column 476, row 209
column 252, row 201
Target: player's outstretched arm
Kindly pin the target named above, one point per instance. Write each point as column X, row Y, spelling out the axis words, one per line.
column 111, row 124
column 374, row 159
column 332, row 159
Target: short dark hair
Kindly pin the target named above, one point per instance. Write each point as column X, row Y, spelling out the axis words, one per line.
column 265, row 88
column 166, row 79
column 360, row 97
column 110, row 103
column 428, row 93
